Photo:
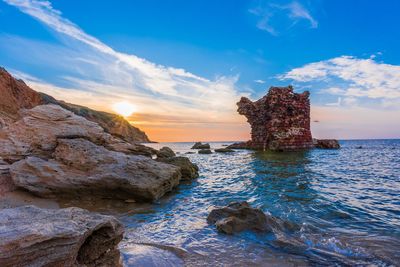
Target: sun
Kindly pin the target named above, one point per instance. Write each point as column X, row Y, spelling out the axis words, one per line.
column 124, row 108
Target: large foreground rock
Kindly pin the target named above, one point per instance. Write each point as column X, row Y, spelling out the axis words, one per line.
column 240, row 216
column 80, row 168
column 30, row 236
column 37, row 132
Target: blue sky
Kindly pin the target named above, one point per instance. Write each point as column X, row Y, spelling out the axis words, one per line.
column 184, row 64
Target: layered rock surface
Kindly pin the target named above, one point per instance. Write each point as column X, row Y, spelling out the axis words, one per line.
column 16, row 95
column 30, row 236
column 279, row 121
column 79, row 167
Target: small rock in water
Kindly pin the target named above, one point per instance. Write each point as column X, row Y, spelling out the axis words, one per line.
column 165, row 152
column 359, row 147
column 224, row 150
column 240, row 216
column 200, row 145
column 205, row 151
column 190, row 152
column 326, row 143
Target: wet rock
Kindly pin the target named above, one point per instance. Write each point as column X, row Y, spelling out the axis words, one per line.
column 190, row 152
column 79, row 167
column 279, row 121
column 326, row 143
column 240, row 216
column 199, row 145
column 205, row 151
column 188, row 170
column 165, row 152
column 237, row 217
column 224, row 150
column 30, row 236
column 359, row 147
column 240, row 145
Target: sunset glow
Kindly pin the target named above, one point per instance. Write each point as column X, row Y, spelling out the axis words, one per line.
column 124, row 108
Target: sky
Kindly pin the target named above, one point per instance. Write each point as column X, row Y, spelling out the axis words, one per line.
column 184, row 64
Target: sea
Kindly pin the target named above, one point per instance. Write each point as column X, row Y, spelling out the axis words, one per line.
column 343, row 205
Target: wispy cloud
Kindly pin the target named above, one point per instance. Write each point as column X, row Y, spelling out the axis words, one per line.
column 352, row 77
column 271, row 16
column 260, row 81
column 96, row 73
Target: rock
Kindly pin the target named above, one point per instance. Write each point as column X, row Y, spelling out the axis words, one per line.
column 36, row 133
column 239, row 216
column 205, row 151
column 165, row 152
column 326, row 143
column 279, row 121
column 189, row 170
column 112, row 123
column 224, row 150
column 240, row 145
column 6, row 183
column 359, row 147
column 199, row 145
column 16, row 95
column 30, row 236
column 190, row 152
column 80, row 168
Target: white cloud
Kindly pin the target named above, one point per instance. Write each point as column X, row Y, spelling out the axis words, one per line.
column 269, row 12
column 357, row 77
column 260, row 81
column 103, row 75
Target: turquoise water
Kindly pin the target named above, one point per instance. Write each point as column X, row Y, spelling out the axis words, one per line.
column 345, row 205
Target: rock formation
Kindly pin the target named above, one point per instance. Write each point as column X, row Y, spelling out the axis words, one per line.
column 165, row 152
column 326, row 143
column 30, row 236
column 205, row 151
column 279, row 121
column 111, row 123
column 79, row 168
column 16, row 95
column 200, row 145
column 188, row 170
column 240, row 216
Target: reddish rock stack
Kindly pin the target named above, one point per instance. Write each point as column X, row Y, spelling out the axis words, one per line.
column 279, row 121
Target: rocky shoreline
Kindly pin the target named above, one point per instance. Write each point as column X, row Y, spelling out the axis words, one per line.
column 52, row 152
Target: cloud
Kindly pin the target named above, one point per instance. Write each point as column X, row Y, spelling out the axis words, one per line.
column 275, row 18
column 351, row 77
column 260, row 81
column 96, row 75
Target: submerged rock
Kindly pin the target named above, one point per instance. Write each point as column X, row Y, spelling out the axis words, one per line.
column 326, row 143
column 224, row 150
column 30, row 236
column 205, row 151
column 199, row 145
column 188, row 170
column 279, row 121
column 240, row 216
column 165, row 152
column 79, row 167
